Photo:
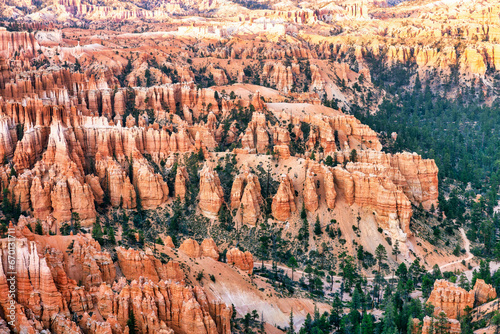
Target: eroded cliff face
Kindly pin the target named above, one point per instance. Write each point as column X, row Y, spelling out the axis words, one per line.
column 246, row 196
column 211, row 194
column 76, row 142
column 452, row 326
column 284, row 201
column 48, row 294
column 241, row 260
column 452, row 300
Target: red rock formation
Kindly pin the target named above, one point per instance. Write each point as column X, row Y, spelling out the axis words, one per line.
column 382, row 195
column 180, row 182
column 345, row 182
column 330, row 193
column 246, row 196
column 169, row 242
column 36, row 289
column 209, row 249
column 450, row 299
column 45, row 291
column 279, row 76
column 116, row 182
column 22, row 42
column 242, row 260
column 310, row 194
column 284, row 200
column 82, row 199
column 191, row 248
column 256, row 136
column 151, row 188
column 281, row 140
column 417, row 176
column 161, row 307
column 483, row 292
column 97, row 266
column 349, row 132
column 211, row 195
column 135, row 264
column 453, row 326
column 61, row 201
column 472, row 62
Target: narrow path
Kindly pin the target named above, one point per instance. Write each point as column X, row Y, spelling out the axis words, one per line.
column 298, row 273
column 468, row 254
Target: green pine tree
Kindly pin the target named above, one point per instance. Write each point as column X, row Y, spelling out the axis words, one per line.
column 291, row 329
column 38, row 227
column 131, row 323
column 317, row 227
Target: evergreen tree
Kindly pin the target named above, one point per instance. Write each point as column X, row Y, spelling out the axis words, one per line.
column 97, row 233
column 329, row 161
column 427, row 284
column 264, row 248
column 390, row 319
column 131, row 323
column 395, row 250
column 367, row 324
column 463, row 282
column 436, row 272
column 466, row 324
column 441, row 324
column 292, row 263
column 75, row 222
column 353, row 156
column 38, row 227
column 77, row 65
column 303, row 212
column 317, row 226
column 348, row 271
column 410, row 326
column 356, row 300
column 291, row 329
column 111, row 235
column 308, row 324
column 380, row 255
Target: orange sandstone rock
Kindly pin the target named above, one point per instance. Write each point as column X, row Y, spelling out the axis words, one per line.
column 284, row 200
column 310, row 194
column 211, row 195
column 209, row 249
column 181, row 179
column 191, row 248
column 242, row 260
column 483, row 292
column 450, row 299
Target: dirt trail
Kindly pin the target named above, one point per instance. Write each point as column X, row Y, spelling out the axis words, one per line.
column 468, row 254
column 298, row 273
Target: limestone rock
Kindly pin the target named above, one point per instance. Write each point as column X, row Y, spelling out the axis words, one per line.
column 211, row 195
column 181, row 178
column 450, row 299
column 284, row 200
column 452, row 326
column 246, row 196
column 151, row 188
column 345, row 182
column 310, row 194
column 242, row 260
column 135, row 264
column 330, row 193
column 483, row 292
column 191, row 248
column 209, row 249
